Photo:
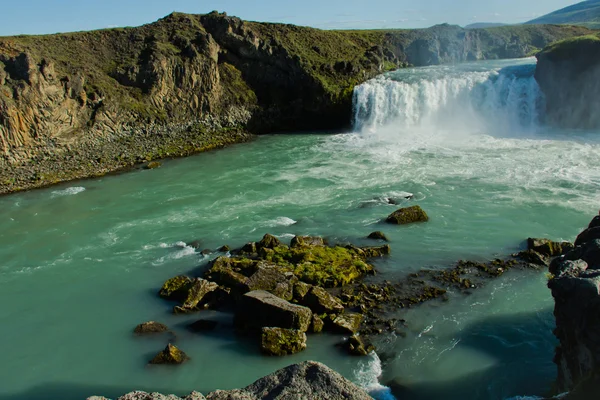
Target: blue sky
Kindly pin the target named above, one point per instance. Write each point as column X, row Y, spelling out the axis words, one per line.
column 51, row 16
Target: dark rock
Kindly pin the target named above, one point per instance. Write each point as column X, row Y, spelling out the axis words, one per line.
column 378, row 236
column 280, row 342
column 260, row 309
column 268, row 242
column 203, row 325
column 195, row 294
column 176, row 288
column 373, row 252
column 588, row 252
column 321, row 302
column 547, row 247
column 196, row 244
column 139, row 395
column 249, row 248
column 560, row 267
column 170, row 355
column 533, row 257
column 587, row 235
column 301, row 289
column 224, row 249
column 150, row 327
column 355, row 346
column 408, row 215
column 206, row 252
column 347, row 323
column 307, row 241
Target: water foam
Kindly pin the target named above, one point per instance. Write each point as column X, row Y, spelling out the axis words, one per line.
column 281, row 221
column 367, row 377
column 68, row 191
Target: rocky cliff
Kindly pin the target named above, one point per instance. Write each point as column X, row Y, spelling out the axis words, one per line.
column 307, row 380
column 83, row 104
column 575, row 287
column 568, row 73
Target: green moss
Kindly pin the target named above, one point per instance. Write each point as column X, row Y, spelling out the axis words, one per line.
column 566, row 49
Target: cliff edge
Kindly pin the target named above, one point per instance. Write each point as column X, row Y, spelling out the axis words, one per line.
column 575, row 286
column 83, row 104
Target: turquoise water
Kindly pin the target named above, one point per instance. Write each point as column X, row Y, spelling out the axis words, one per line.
column 81, row 262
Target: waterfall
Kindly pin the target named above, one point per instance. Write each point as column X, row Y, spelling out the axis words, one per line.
column 476, row 96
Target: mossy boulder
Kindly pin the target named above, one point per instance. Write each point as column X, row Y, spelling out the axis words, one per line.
column 407, row 215
column 170, row 355
column 321, row 302
column 356, row 346
column 273, row 279
column 378, row 235
column 153, row 165
column 307, row 241
column 347, row 323
column 224, row 249
column 268, row 242
column 300, row 290
column 150, row 327
column 317, row 324
column 280, row 342
column 176, row 288
column 249, row 248
column 196, row 293
column 373, row 252
column 230, row 270
column 259, row 309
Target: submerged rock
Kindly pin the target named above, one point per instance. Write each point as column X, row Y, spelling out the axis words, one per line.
column 150, row 327
column 170, row 355
column 260, row 309
column 280, row 342
column 378, row 236
column 153, row 165
column 203, row 325
column 408, row 215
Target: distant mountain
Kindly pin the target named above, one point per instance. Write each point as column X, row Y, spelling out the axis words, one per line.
column 483, row 25
column 586, row 13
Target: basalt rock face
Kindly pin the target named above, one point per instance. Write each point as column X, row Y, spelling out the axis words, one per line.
column 568, row 73
column 84, row 104
column 576, row 291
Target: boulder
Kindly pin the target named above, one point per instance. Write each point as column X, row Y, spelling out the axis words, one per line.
column 268, row 242
column 249, row 248
column 153, row 165
column 561, row 267
column 300, row 290
column 408, row 215
column 224, row 249
column 547, row 247
column 258, row 309
column 307, row 380
column 280, row 342
column 307, row 241
column 139, row 395
column 378, row 236
column 355, row 346
column 273, row 279
column 196, row 244
column 533, row 257
column 206, row 252
column 317, row 324
column 588, row 252
column 347, row 323
column 150, row 327
column 176, row 288
column 230, row 271
column 195, row 294
column 170, row 355
column 203, row 325
column 321, row 302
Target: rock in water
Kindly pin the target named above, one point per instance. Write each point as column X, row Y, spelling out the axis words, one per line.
column 547, row 247
column 175, row 288
column 150, row 327
column 408, row 215
column 355, row 346
column 348, row 322
column 139, row 395
column 268, row 242
column 153, row 165
column 307, row 380
column 260, row 309
column 195, row 294
column 378, row 236
column 170, row 355
column 203, row 325
column 280, row 342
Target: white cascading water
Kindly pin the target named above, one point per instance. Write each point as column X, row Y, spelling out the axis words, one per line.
column 460, row 97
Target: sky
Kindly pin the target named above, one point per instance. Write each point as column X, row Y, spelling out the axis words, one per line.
column 52, row 16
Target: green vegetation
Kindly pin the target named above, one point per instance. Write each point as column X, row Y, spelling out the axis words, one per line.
column 568, row 48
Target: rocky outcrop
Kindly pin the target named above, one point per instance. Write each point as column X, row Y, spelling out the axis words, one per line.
column 170, row 355
column 84, row 104
column 568, row 73
column 150, row 327
column 575, row 287
column 280, row 342
column 307, row 380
